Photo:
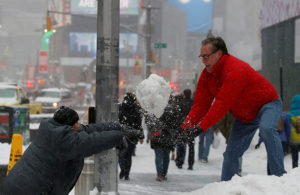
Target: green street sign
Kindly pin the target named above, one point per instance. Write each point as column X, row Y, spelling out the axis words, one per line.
column 160, row 45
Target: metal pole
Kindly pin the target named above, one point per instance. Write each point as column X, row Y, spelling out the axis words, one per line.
column 280, row 78
column 148, row 39
column 107, row 80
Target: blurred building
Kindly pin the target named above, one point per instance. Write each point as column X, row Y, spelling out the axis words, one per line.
column 238, row 23
column 281, row 46
column 21, row 28
column 74, row 44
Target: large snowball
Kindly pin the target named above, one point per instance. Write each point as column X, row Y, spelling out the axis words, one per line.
column 153, row 94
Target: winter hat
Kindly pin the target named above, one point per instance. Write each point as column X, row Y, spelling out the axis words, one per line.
column 66, row 116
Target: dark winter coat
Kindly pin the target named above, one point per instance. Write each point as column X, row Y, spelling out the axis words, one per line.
column 168, row 123
column 130, row 113
column 185, row 106
column 53, row 161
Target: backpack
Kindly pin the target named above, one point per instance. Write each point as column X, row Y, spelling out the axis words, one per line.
column 297, row 125
column 155, row 134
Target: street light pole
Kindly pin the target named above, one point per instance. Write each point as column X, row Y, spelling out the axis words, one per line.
column 149, row 54
column 148, row 40
column 107, row 89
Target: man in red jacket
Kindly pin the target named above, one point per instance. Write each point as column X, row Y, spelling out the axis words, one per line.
column 229, row 84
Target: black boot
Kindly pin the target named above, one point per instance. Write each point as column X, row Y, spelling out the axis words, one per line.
column 122, row 174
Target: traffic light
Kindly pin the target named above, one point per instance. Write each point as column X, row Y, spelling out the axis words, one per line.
column 48, row 24
column 150, row 55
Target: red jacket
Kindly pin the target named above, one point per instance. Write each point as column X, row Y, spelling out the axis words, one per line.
column 234, row 86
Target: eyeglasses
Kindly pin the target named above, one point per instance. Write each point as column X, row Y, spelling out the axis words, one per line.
column 206, row 56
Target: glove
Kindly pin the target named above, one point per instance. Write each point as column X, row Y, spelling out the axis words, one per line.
column 192, row 133
column 257, row 146
column 181, row 138
column 122, row 147
column 133, row 135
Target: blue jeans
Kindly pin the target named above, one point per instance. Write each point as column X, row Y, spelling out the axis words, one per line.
column 242, row 134
column 162, row 160
column 205, row 140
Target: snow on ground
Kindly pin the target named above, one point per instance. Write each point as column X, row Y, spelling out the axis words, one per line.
column 205, row 178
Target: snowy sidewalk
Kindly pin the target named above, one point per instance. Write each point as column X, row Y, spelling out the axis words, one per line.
column 183, row 181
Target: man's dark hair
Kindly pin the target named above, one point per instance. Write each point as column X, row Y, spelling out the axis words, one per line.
column 187, row 93
column 217, row 44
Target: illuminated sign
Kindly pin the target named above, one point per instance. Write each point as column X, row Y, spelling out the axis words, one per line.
column 85, row 44
column 127, row 7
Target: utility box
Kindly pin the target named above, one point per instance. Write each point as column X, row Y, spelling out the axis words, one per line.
column 85, row 182
column 14, row 119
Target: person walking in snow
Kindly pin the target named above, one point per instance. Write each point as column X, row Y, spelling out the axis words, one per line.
column 229, row 84
column 294, row 115
column 129, row 115
column 54, row 160
column 185, row 106
column 163, row 131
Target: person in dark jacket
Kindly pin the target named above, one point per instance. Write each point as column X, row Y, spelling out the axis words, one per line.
column 163, row 130
column 185, row 106
column 229, row 84
column 129, row 115
column 54, row 160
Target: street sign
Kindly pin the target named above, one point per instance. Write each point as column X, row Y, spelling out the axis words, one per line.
column 160, row 45
column 150, row 64
column 43, row 62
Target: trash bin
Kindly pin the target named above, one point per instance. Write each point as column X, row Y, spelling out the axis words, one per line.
column 3, row 170
column 14, row 119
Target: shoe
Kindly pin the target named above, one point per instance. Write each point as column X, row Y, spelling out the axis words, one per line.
column 165, row 178
column 122, row 174
column 126, row 177
column 159, row 178
column 203, row 161
column 179, row 166
column 190, row 168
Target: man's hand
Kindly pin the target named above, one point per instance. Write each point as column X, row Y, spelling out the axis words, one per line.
column 123, row 146
column 194, row 132
column 133, row 135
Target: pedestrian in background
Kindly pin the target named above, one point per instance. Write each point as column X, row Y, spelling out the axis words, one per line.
column 294, row 115
column 185, row 106
column 205, row 141
column 163, row 131
column 229, row 84
column 129, row 115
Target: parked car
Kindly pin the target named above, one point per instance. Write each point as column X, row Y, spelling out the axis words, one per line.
column 14, row 95
column 52, row 98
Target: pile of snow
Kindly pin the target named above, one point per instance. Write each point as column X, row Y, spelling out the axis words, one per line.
column 153, row 94
column 255, row 184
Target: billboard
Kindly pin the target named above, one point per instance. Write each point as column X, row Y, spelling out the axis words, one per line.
column 82, row 44
column 128, row 45
column 127, row 7
column 84, row 7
